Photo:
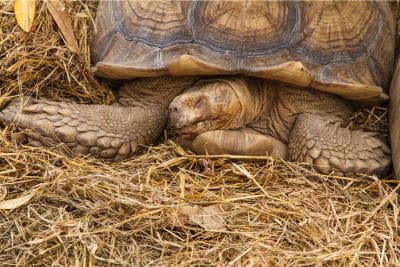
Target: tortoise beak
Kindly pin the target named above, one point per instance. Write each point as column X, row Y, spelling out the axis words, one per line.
column 187, row 112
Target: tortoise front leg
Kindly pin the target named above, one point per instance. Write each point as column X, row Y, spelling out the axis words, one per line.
column 110, row 132
column 321, row 141
column 243, row 141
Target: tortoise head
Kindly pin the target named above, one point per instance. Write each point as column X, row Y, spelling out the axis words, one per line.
column 208, row 105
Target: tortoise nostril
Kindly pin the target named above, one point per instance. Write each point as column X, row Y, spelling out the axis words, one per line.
column 173, row 108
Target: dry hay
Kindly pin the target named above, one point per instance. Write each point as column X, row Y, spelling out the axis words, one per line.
column 167, row 206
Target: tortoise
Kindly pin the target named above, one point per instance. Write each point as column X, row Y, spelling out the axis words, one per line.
column 395, row 119
column 241, row 77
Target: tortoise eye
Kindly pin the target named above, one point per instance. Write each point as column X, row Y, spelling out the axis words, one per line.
column 199, row 103
column 219, row 98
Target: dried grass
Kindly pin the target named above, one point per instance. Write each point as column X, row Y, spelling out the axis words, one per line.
column 85, row 212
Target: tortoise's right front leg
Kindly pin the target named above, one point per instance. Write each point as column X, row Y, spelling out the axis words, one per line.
column 110, row 132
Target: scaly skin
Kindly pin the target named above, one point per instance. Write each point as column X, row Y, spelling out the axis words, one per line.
column 110, row 132
column 281, row 120
column 321, row 141
column 307, row 121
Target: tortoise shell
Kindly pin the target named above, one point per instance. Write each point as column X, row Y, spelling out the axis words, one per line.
column 345, row 48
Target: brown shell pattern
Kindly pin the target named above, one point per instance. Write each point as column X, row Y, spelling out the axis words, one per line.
column 334, row 46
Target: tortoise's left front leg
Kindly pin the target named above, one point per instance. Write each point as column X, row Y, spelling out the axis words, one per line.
column 321, row 141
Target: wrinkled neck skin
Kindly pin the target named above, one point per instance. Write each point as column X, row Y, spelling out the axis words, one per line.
column 286, row 102
column 253, row 98
column 153, row 92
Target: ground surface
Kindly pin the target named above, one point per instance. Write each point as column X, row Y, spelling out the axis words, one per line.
column 167, row 206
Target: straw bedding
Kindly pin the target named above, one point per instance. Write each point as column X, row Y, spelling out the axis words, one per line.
column 168, row 206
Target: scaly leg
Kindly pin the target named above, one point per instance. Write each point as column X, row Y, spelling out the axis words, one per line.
column 110, row 132
column 321, row 141
column 243, row 141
